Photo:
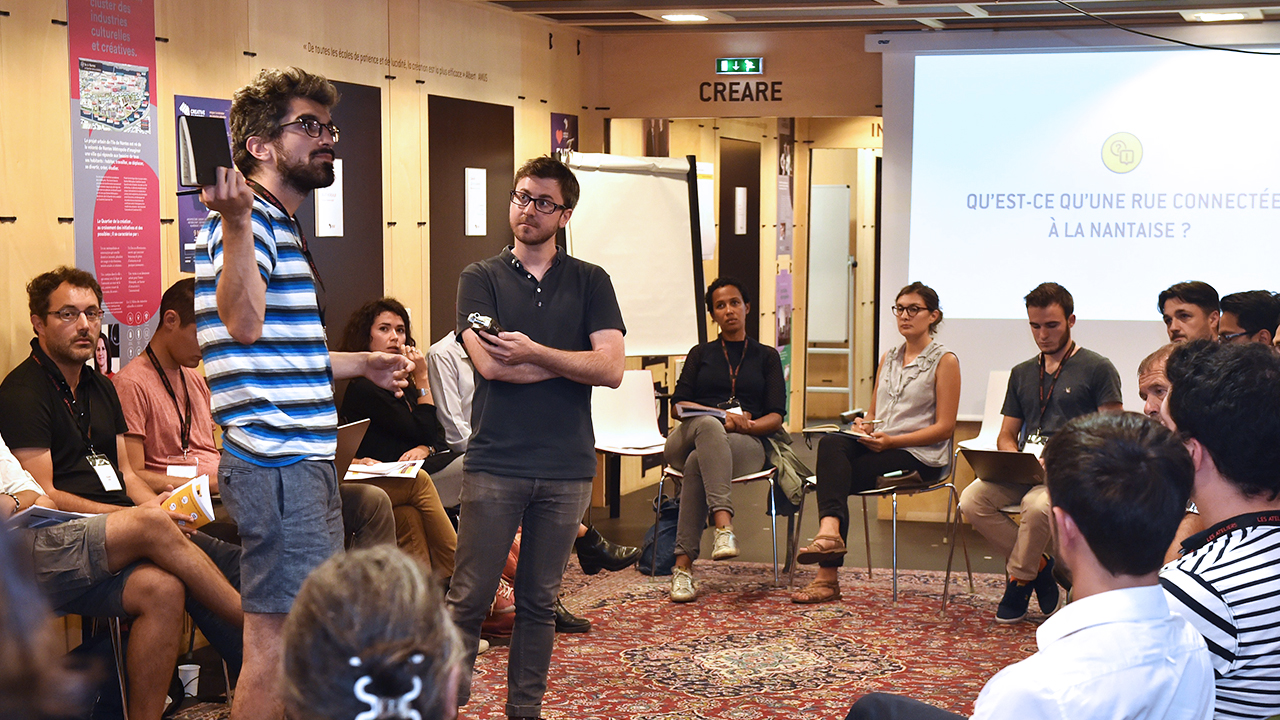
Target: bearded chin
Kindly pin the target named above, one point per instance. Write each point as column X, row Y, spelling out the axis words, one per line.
column 306, row 176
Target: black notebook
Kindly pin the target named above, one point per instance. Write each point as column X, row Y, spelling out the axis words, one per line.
column 202, row 147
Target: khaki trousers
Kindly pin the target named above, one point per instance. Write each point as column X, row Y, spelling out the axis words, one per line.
column 1023, row 543
column 423, row 529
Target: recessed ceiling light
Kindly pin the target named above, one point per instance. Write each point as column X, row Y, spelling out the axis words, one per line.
column 689, row 17
column 1222, row 15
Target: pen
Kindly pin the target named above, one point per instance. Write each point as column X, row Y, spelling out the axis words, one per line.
column 189, row 192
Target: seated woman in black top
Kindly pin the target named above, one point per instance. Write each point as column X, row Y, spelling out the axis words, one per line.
column 401, row 428
column 739, row 374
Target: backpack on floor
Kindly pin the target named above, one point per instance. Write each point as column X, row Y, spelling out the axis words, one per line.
column 660, row 539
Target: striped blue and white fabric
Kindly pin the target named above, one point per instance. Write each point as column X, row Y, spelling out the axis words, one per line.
column 1228, row 589
column 274, row 398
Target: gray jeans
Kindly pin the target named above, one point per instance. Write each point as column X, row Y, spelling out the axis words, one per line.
column 493, row 507
column 710, row 459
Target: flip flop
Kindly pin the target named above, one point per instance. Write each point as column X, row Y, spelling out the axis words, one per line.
column 813, row 554
column 817, row 591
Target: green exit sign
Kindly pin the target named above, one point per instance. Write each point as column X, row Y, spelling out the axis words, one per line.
column 740, row 66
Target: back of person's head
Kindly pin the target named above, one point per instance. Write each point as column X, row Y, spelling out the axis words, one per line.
column 355, row 336
column 1227, row 398
column 930, row 298
column 1192, row 292
column 258, row 108
column 369, row 630
column 1254, row 310
column 549, row 168
column 1051, row 293
column 42, row 286
column 723, row 282
column 1124, row 479
column 180, row 298
column 32, row 682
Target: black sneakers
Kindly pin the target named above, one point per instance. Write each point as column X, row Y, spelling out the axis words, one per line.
column 1046, row 588
column 1013, row 606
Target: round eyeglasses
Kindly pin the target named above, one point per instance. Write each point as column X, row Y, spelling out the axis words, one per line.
column 312, row 127
column 908, row 311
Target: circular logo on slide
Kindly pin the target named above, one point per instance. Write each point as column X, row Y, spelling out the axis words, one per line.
column 1122, row 152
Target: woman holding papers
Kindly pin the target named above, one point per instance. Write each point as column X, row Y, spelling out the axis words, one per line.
column 908, row 428
column 743, row 379
column 401, row 429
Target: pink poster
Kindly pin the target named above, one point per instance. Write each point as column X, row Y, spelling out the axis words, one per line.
column 115, row 153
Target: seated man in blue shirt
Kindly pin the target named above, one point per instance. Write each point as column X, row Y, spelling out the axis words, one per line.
column 1118, row 484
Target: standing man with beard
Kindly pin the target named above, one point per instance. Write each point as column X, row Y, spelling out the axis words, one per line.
column 259, row 324
column 1062, row 382
column 532, row 451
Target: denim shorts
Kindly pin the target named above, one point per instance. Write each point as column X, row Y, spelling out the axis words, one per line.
column 290, row 521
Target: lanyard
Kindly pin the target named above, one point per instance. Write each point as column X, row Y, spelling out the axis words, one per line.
column 302, row 237
column 733, row 371
column 69, row 399
column 183, row 422
column 1044, row 398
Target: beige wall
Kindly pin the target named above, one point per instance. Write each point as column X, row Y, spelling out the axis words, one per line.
column 204, row 56
column 823, row 73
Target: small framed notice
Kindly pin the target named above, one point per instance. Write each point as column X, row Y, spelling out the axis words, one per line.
column 475, row 201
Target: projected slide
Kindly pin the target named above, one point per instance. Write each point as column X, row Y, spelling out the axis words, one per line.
column 1113, row 173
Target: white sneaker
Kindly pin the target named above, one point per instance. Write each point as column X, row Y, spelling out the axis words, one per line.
column 726, row 545
column 483, row 647
column 683, row 588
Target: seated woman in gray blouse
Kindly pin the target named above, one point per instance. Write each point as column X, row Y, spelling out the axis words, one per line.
column 908, row 427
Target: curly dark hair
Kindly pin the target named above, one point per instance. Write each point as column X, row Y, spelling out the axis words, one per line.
column 1124, row 479
column 355, row 337
column 725, row 281
column 1227, row 398
column 43, row 285
column 258, row 108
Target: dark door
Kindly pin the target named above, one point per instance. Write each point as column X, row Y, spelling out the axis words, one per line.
column 740, row 253
column 465, row 134
column 350, row 265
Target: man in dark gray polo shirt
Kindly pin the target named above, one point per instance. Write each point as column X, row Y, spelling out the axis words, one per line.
column 532, row 453
column 1062, row 382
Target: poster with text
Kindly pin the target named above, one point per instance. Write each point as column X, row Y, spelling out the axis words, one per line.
column 115, row 153
column 564, row 132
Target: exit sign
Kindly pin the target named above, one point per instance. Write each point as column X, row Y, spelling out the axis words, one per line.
column 740, row 66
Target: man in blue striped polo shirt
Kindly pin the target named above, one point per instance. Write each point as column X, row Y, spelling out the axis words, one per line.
column 1225, row 402
column 268, row 367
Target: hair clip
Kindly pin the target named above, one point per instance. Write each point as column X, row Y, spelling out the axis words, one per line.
column 380, row 707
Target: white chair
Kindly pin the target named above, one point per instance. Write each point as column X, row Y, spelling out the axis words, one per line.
column 997, row 384
column 626, row 423
column 769, row 474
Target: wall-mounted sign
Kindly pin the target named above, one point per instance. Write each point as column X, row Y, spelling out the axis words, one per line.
column 740, row 66
column 740, row 91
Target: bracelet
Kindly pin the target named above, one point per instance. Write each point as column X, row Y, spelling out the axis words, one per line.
column 422, row 392
column 17, row 504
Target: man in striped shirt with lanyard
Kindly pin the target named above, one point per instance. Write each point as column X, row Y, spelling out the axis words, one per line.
column 1225, row 402
column 260, row 328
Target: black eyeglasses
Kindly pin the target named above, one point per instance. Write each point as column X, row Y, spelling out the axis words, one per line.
column 1224, row 339
column 70, row 314
column 313, row 126
column 909, row 311
column 542, row 205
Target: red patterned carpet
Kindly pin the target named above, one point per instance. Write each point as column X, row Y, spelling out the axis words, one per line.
column 743, row 651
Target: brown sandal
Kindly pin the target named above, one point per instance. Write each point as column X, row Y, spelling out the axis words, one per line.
column 817, row 591
column 822, row 547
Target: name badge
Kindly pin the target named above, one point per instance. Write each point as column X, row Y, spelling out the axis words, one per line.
column 1034, row 445
column 181, row 466
column 106, row 474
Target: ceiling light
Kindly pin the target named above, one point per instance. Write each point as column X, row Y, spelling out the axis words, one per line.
column 690, row 17
column 1222, row 15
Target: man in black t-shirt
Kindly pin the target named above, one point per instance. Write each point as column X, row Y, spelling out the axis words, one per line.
column 531, row 456
column 65, row 426
column 1062, row 382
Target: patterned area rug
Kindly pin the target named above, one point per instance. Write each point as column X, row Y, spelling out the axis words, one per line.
column 743, row 651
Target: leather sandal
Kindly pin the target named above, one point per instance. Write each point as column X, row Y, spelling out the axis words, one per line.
column 820, row 548
column 817, row 591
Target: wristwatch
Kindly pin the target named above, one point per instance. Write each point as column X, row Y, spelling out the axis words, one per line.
column 422, row 392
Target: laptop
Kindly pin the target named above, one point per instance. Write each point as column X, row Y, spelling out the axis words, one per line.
column 1014, row 468
column 349, row 438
